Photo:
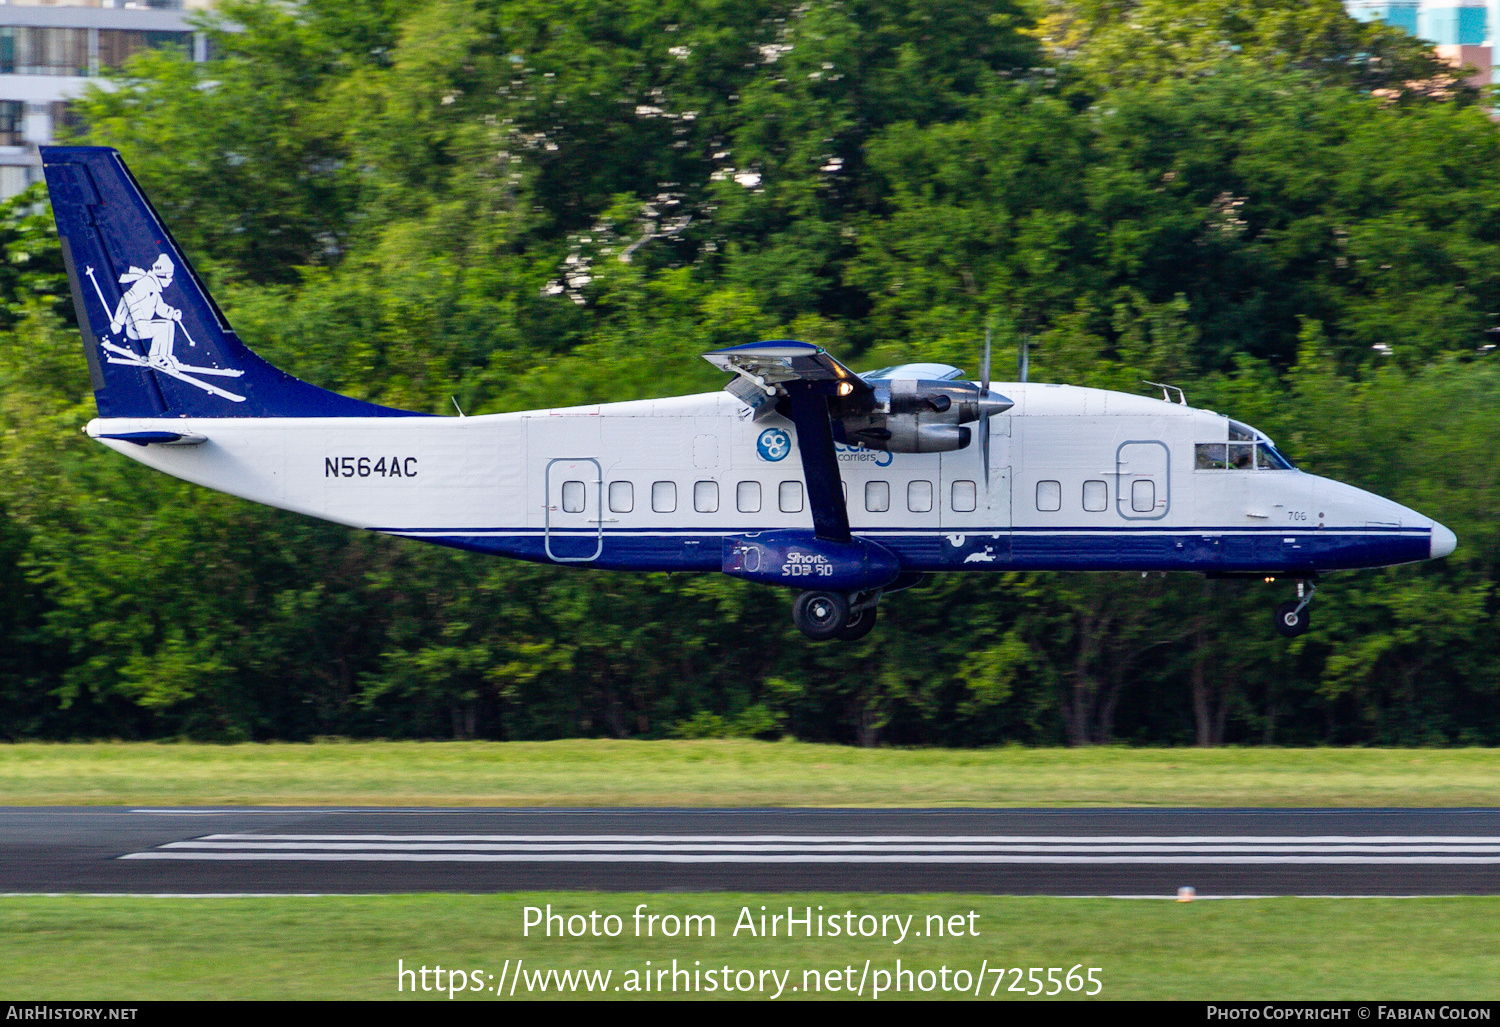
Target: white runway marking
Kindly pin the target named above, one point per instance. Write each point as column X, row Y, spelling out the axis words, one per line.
column 1201, row 850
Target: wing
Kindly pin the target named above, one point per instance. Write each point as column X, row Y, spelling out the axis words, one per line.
column 807, row 377
column 765, row 369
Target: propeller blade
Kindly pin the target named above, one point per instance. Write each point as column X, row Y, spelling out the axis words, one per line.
column 984, row 447
column 984, row 391
column 984, row 370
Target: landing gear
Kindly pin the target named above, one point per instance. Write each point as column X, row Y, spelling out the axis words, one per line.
column 861, row 623
column 824, row 616
column 821, row 615
column 1294, row 617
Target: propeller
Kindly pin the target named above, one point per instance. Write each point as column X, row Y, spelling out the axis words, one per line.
column 984, row 392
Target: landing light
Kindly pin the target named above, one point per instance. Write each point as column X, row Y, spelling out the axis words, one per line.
column 845, row 388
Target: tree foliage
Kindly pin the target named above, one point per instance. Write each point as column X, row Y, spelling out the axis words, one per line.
column 528, row 203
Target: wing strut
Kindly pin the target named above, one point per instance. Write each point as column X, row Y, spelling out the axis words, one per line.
column 820, row 463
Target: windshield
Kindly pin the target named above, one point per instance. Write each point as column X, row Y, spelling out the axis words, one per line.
column 1246, row 450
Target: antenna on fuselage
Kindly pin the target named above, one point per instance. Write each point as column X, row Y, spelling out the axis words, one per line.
column 1166, row 392
column 1023, row 358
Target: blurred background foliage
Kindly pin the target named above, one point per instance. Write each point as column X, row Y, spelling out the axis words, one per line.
column 529, row 203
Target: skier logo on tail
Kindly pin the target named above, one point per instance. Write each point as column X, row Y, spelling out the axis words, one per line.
column 146, row 317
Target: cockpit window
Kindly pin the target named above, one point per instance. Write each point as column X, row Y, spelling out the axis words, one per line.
column 1268, row 457
column 1239, row 456
column 1247, row 450
column 1210, row 456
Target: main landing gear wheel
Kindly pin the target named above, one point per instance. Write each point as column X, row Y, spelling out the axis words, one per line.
column 821, row 615
column 861, row 623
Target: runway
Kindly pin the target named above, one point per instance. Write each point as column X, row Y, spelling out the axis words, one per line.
column 1057, row 852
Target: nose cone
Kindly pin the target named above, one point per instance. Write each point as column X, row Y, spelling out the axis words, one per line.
column 1443, row 541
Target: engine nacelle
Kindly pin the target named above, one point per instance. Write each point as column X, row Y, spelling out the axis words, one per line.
column 906, row 416
column 909, row 434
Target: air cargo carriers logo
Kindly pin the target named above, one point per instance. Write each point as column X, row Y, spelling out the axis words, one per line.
column 773, row 445
column 145, row 317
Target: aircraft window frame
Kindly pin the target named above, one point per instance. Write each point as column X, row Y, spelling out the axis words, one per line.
column 1048, row 492
column 1259, row 455
column 877, row 497
column 1138, row 495
column 963, row 496
column 1269, row 458
column 1100, row 496
column 621, row 497
column 789, row 497
column 747, row 497
column 705, row 497
column 574, row 497
column 663, row 497
column 916, row 501
column 1211, row 456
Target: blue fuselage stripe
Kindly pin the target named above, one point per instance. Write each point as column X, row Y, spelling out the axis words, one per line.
column 1208, row 550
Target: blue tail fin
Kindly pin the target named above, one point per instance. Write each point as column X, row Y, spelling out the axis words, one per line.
column 156, row 343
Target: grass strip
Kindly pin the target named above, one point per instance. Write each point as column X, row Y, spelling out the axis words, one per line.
column 733, row 773
column 126, row 948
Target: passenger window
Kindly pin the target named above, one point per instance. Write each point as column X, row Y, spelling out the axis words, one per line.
column 706, row 496
column 790, row 497
column 664, row 496
column 621, row 497
column 877, row 496
column 1210, row 456
column 964, row 497
column 1095, row 496
column 919, row 497
column 572, row 497
column 747, row 497
column 1143, row 495
column 1049, row 496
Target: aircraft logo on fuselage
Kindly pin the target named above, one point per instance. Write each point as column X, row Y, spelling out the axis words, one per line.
column 861, row 455
column 145, row 317
column 774, row 444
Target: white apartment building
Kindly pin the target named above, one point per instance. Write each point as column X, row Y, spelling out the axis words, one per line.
column 51, row 49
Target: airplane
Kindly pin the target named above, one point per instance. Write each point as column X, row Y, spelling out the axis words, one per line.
column 898, row 473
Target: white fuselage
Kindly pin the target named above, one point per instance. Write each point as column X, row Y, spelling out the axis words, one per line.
column 1076, row 478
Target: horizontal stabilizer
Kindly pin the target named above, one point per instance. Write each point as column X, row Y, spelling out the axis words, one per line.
column 158, row 438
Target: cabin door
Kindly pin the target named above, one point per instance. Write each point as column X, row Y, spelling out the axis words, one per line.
column 1143, row 480
column 574, row 531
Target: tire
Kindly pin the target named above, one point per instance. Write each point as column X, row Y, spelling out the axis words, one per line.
column 821, row 615
column 861, row 623
column 1289, row 621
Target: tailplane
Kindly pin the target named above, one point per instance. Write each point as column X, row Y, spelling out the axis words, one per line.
column 157, row 345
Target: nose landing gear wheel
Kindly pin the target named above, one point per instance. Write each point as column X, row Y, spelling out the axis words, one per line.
column 821, row 615
column 1292, row 618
